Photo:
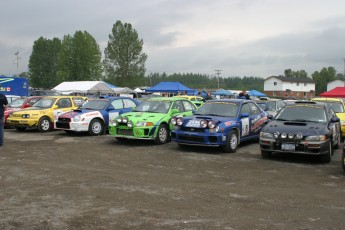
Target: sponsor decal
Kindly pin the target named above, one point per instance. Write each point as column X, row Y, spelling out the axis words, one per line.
column 229, row 123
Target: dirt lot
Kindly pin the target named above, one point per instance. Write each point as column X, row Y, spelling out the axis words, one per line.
column 58, row 181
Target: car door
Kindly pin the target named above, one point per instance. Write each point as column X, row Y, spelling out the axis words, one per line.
column 249, row 123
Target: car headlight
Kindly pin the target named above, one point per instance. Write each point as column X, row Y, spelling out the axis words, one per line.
column 211, row 124
column 114, row 123
column 119, row 119
column 129, row 124
column 125, row 119
column 76, row 118
column 26, row 116
column 316, row 138
column 179, row 121
column 173, row 121
column 266, row 135
column 203, row 124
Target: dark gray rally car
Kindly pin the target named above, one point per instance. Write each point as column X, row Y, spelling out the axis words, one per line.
column 303, row 127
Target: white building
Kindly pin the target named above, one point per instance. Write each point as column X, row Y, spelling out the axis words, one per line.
column 336, row 83
column 280, row 86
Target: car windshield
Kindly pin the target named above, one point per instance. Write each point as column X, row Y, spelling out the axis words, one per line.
column 302, row 113
column 45, row 103
column 154, row 106
column 224, row 109
column 337, row 107
column 95, row 104
column 271, row 106
column 17, row 103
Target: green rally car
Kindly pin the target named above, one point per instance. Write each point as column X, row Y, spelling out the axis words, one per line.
column 151, row 119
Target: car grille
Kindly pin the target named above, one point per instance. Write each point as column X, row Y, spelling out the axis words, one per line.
column 127, row 132
column 63, row 123
column 189, row 129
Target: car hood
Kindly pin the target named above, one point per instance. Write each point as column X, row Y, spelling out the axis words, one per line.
column 307, row 128
column 31, row 110
column 216, row 119
column 341, row 116
column 145, row 116
column 76, row 112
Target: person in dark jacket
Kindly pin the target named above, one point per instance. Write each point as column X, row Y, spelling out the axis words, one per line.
column 3, row 105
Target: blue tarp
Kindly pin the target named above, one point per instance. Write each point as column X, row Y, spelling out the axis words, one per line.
column 170, row 87
column 256, row 93
column 223, row 92
column 14, row 86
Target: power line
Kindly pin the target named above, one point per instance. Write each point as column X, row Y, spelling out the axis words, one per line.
column 17, row 61
column 218, row 73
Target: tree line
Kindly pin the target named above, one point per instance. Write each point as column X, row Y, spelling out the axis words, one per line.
column 78, row 58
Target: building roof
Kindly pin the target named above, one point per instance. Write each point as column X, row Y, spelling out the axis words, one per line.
column 292, row 79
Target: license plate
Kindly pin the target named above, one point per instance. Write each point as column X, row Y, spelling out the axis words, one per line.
column 193, row 123
column 288, row 147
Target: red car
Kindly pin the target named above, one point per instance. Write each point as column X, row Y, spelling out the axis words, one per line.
column 18, row 104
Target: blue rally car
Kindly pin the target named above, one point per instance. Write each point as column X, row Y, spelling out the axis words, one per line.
column 94, row 116
column 223, row 123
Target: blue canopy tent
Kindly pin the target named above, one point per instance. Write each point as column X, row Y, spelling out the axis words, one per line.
column 223, row 92
column 170, row 87
column 256, row 93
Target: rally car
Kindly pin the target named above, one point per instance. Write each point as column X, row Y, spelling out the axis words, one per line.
column 41, row 114
column 196, row 100
column 20, row 103
column 151, row 119
column 304, row 127
column 94, row 116
column 224, row 123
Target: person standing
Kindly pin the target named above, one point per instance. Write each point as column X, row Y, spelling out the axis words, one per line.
column 3, row 105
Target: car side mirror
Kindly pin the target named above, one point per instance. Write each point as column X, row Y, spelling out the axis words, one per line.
column 55, row 107
column 174, row 111
column 110, row 108
column 194, row 111
column 26, row 105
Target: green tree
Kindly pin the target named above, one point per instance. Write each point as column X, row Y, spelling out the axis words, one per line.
column 79, row 58
column 297, row 74
column 124, row 58
column 42, row 62
column 322, row 78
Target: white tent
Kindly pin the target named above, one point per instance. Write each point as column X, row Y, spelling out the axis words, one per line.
column 119, row 90
column 87, row 87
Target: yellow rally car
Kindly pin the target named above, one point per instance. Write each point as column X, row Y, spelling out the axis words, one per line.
column 196, row 100
column 43, row 112
column 338, row 106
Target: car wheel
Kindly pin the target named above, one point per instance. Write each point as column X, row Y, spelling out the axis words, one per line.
column 266, row 154
column 231, row 142
column 343, row 160
column 162, row 134
column 44, row 124
column 20, row 129
column 96, row 127
column 327, row 157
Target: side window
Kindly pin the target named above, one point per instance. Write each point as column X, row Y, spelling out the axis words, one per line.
column 117, row 104
column 129, row 103
column 245, row 109
column 64, row 103
column 280, row 104
column 188, row 106
column 78, row 101
column 33, row 101
column 178, row 105
column 254, row 109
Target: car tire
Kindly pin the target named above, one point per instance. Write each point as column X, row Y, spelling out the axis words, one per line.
column 44, row 124
column 326, row 158
column 20, row 129
column 231, row 142
column 266, row 154
column 162, row 134
column 96, row 127
column 343, row 160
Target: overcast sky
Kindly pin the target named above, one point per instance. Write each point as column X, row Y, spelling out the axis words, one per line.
column 240, row 37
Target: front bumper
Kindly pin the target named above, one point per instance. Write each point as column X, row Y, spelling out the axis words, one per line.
column 302, row 147
column 73, row 126
column 21, row 122
column 144, row 133
column 200, row 139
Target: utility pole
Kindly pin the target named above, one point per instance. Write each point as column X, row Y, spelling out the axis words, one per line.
column 17, row 61
column 218, row 73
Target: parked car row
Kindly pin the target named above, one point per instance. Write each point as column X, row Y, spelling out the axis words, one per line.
column 301, row 127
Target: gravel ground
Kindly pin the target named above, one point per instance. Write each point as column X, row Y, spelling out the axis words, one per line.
column 58, row 181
